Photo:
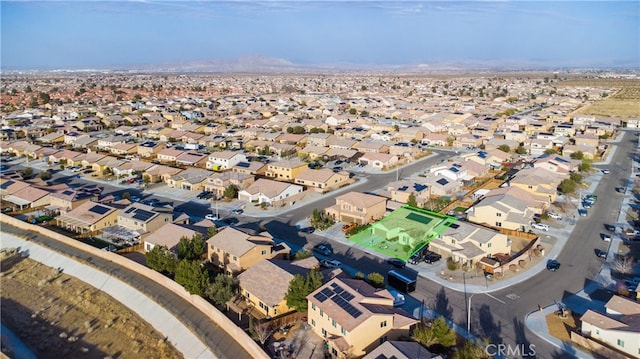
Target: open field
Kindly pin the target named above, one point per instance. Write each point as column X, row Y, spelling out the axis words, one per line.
column 59, row 316
column 623, row 103
column 561, row 327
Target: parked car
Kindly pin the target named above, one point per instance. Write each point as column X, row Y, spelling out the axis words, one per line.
column 582, row 212
column 432, row 257
column 605, row 171
column 610, row 227
column 600, row 253
column 307, row 229
column 323, row 249
column 330, row 263
column 349, row 226
column 415, row 258
column 396, row 262
column 211, row 217
column 237, row 211
column 553, row 265
column 555, row 215
column 586, row 204
column 230, row 220
column 398, row 298
column 540, row 226
column 606, row 237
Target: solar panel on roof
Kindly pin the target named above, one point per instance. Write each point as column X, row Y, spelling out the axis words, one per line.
column 347, row 296
column 346, row 306
column 442, row 181
column 67, row 193
column 99, row 209
column 320, row 297
column 328, row 292
column 403, row 188
column 143, row 215
column 419, row 187
column 129, row 210
column 6, row 184
column 243, row 164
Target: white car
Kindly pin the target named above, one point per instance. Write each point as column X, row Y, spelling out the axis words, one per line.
column 555, row 215
column 331, row 263
column 211, row 217
column 605, row 172
column 540, row 226
column 606, row 237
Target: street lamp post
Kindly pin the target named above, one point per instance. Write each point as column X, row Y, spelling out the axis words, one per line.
column 469, row 314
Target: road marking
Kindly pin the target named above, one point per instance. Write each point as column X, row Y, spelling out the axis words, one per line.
column 490, row 296
column 512, row 296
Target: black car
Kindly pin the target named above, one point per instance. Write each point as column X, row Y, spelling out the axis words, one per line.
column 432, row 257
column 415, row 259
column 600, row 253
column 307, row 230
column 553, row 265
column 398, row 263
column 610, row 227
column 230, row 220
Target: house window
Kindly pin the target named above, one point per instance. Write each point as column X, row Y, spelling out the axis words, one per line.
column 235, row 258
column 383, row 324
column 334, row 352
column 489, row 245
column 313, row 322
column 621, row 343
column 333, row 322
column 264, row 252
column 313, row 306
column 321, row 313
column 498, row 224
column 498, row 214
column 453, row 241
column 324, row 332
column 343, row 331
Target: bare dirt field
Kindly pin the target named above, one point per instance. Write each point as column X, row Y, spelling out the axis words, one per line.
column 59, row 316
column 623, row 103
column 561, row 327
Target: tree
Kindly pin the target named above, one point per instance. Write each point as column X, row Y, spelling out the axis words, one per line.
column 222, row 289
column 585, row 166
column 126, row 195
column 300, row 287
column 211, row 231
column 504, row 148
column 27, row 173
column 376, row 280
column 192, row 276
column 302, row 254
column 623, row 264
column 567, row 186
column 262, row 331
column 521, row 150
column 470, row 351
column 575, row 177
column 191, row 249
column 411, row 201
column 44, row 175
column 438, row 333
column 577, row 155
column 231, row 192
column 161, row 259
column 551, row 151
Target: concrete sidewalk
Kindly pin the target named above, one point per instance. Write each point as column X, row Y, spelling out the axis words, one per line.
column 176, row 332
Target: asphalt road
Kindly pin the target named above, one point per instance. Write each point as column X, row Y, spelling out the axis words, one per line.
column 221, row 343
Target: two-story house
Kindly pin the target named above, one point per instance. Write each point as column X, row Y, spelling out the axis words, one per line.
column 359, row 208
column 354, row 317
column 235, row 251
column 219, row 182
column 286, row 170
column 224, row 160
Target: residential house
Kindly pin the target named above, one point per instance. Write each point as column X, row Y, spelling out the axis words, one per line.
column 160, row 173
column 618, row 329
column 286, row 170
column 149, row 149
column 467, row 243
column 588, row 152
column 273, row 193
column 225, row 160
column 401, row 190
column 68, row 199
column 190, row 158
column 252, row 168
column 378, row 160
column 168, row 235
column 142, row 218
column 558, row 164
column 88, row 217
column 401, row 350
column 235, row 251
column 538, row 181
column 26, row 197
column 168, row 155
column 192, row 179
column 440, row 186
column 359, row 208
column 322, row 180
column 372, row 146
column 130, row 168
column 51, row 138
column 502, row 211
column 265, row 284
column 354, row 318
column 124, row 149
column 219, row 182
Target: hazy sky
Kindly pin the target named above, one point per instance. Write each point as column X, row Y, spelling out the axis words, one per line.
column 94, row 34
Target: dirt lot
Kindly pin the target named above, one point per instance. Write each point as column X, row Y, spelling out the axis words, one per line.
column 59, row 316
column 561, row 327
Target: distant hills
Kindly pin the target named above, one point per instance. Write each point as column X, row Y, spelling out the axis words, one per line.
column 266, row 65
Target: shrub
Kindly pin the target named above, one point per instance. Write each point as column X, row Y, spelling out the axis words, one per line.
column 451, row 265
column 376, row 280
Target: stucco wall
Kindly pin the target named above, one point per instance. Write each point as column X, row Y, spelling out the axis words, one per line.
column 198, row 302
